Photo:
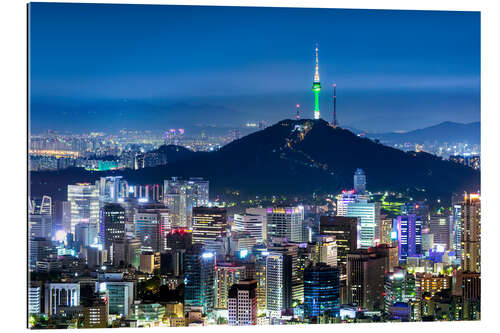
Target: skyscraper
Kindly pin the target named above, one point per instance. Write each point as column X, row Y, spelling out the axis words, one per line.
column 440, row 228
column 199, row 275
column 242, row 303
column 152, row 223
column 251, row 223
column 321, row 291
column 285, row 222
column 208, row 224
column 409, row 236
column 226, row 274
column 369, row 219
column 327, row 250
column 84, row 200
column 278, row 282
column 471, row 233
column 316, row 87
column 365, row 279
column 360, row 181
column 112, row 225
column 344, row 229
column 181, row 196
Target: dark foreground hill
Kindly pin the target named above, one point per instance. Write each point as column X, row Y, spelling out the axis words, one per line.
column 293, row 158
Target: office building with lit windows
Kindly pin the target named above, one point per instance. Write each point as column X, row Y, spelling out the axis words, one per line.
column 278, row 282
column 112, row 227
column 321, row 291
column 85, row 206
column 199, row 279
column 242, row 303
column 251, row 223
column 285, row 222
column 409, row 236
column 209, row 223
column 226, row 274
column 470, row 219
column 152, row 223
column 369, row 219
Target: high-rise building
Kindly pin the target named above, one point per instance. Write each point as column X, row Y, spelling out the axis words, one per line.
column 321, row 291
column 242, row 303
column 316, row 87
column 326, row 250
column 34, row 300
column 112, row 225
column 369, row 219
column 456, row 224
column 84, row 201
column 61, row 217
column 40, row 225
column 112, row 188
column 292, row 250
column 199, row 276
column 152, row 224
column 181, row 196
column 226, row 274
column 120, row 296
column 471, row 233
column 430, row 283
column 179, row 239
column 360, row 181
column 263, row 213
column 40, row 249
column 365, row 279
column 86, row 234
column 440, row 228
column 386, row 229
column 261, row 253
column 399, row 287
column 41, row 205
column 251, row 223
column 343, row 201
column 285, row 222
column 149, row 261
column 345, row 231
column 409, row 236
column 278, row 282
column 208, row 224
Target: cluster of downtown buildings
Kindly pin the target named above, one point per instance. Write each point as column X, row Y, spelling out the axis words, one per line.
column 90, row 254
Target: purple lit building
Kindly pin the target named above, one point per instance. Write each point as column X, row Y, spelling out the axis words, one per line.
column 409, row 236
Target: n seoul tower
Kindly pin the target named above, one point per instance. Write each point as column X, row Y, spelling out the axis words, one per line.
column 316, row 88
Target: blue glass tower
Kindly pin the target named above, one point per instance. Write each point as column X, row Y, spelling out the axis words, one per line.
column 321, row 291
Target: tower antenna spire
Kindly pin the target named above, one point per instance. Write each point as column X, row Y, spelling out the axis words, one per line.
column 316, row 68
column 335, row 123
column 316, row 87
column 298, row 112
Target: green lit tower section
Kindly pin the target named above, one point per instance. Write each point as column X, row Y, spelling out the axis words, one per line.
column 316, row 88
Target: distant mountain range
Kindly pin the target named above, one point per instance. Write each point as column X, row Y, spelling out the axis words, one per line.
column 444, row 132
column 291, row 158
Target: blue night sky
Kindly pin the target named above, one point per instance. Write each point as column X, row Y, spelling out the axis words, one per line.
column 108, row 67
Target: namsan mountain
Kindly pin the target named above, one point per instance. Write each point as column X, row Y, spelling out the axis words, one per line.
column 291, row 158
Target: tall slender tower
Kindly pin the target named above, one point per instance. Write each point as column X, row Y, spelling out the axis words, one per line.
column 298, row 112
column 316, row 88
column 335, row 124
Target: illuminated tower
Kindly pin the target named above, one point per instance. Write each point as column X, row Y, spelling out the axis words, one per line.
column 335, row 124
column 316, row 88
column 298, row 112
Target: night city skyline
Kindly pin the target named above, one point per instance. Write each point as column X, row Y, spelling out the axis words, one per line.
column 200, row 166
column 143, row 67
